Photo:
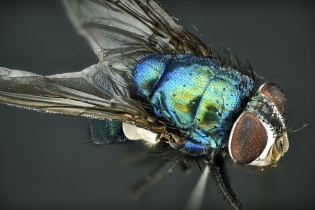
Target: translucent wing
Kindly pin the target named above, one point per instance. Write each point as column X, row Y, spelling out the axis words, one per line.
column 120, row 33
column 129, row 25
column 96, row 92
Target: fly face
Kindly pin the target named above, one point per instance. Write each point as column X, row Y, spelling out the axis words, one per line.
column 259, row 135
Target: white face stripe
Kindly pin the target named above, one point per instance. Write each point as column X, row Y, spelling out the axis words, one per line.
column 260, row 160
column 261, row 86
column 271, row 140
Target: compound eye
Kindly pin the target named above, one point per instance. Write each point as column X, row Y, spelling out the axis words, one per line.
column 276, row 95
column 248, row 139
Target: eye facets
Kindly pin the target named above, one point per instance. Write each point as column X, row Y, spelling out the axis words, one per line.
column 276, row 95
column 249, row 139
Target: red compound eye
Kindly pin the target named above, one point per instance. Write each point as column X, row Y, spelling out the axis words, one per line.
column 275, row 94
column 248, row 139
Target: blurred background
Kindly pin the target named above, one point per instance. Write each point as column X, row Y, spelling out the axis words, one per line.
column 45, row 162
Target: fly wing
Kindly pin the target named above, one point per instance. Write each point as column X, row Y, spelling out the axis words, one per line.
column 121, row 32
column 131, row 25
column 93, row 93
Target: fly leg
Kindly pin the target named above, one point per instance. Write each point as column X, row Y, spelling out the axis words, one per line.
column 219, row 175
column 151, row 179
column 173, row 140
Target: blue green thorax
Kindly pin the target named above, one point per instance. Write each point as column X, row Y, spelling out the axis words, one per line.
column 195, row 94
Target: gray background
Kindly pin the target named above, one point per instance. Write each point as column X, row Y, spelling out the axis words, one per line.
column 45, row 163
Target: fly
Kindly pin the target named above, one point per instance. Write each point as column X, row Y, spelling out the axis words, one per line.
column 157, row 82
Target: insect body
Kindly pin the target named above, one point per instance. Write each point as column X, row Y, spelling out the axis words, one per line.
column 157, row 82
column 194, row 94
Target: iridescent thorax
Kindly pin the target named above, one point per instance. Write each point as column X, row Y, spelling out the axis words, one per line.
column 196, row 95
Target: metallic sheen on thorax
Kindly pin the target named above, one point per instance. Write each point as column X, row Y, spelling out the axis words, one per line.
column 195, row 94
